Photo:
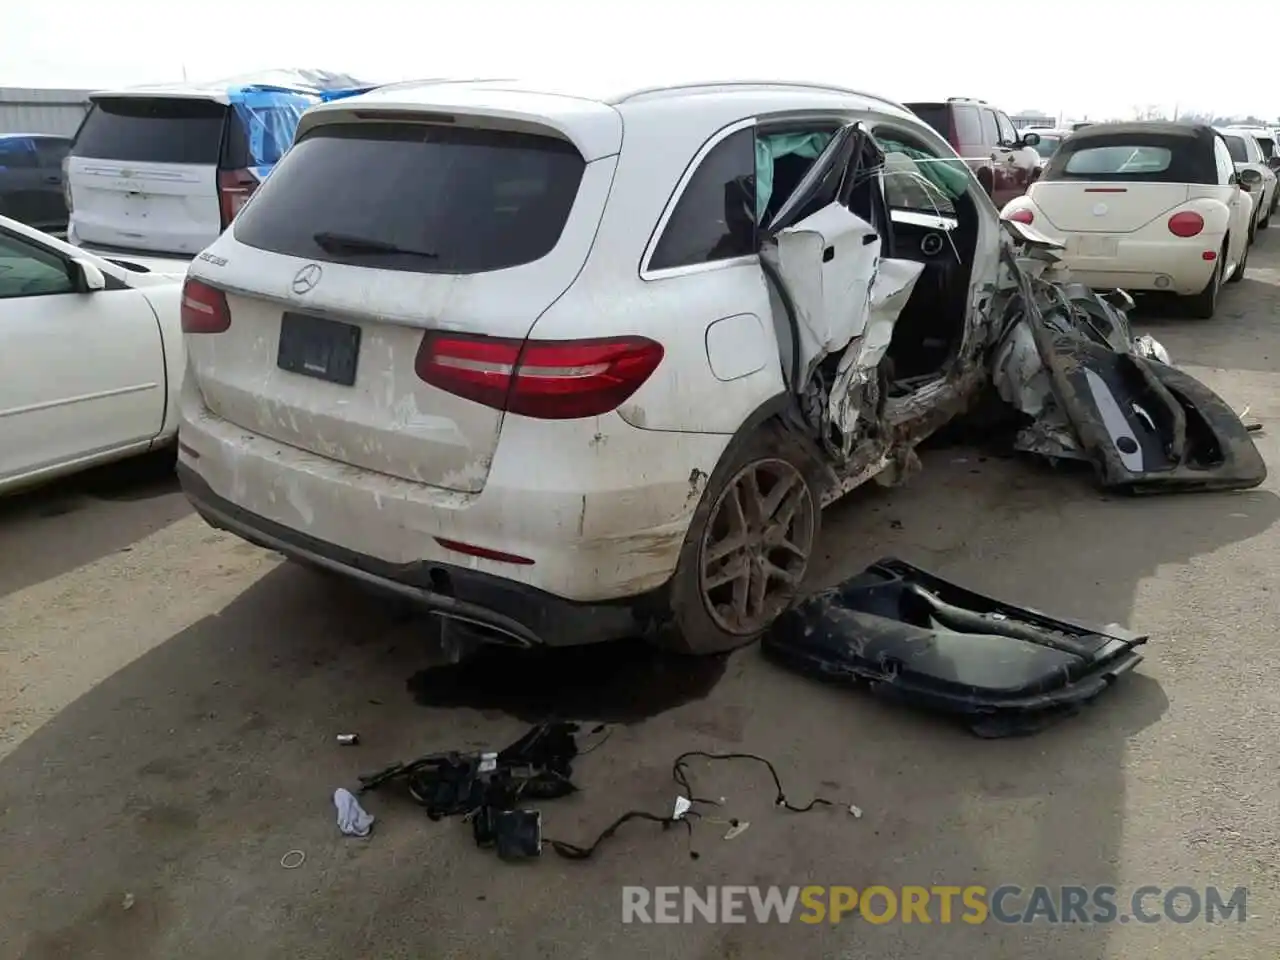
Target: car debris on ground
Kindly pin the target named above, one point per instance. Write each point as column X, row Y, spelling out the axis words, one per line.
column 491, row 791
column 1068, row 361
column 914, row 637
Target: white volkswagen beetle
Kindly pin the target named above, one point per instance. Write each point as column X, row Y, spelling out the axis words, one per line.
column 1146, row 206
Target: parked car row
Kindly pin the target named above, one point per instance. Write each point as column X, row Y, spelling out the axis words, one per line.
column 468, row 344
column 1004, row 160
column 160, row 171
column 1154, row 206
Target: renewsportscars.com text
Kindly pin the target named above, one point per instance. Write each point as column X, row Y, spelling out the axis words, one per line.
column 933, row 904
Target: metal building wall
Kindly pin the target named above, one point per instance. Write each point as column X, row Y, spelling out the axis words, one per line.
column 28, row 110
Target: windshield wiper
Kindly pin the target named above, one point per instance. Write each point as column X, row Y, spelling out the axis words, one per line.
column 349, row 243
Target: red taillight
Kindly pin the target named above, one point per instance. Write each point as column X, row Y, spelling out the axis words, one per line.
column 234, row 189
column 1186, row 224
column 1022, row 216
column 204, row 309
column 548, row 379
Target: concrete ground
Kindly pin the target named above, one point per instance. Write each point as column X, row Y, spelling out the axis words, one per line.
column 169, row 698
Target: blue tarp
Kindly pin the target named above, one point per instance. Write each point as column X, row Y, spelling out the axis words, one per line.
column 270, row 105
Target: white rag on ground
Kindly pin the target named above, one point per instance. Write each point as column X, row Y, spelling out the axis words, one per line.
column 352, row 818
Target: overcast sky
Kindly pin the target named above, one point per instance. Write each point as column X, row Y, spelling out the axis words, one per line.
column 1084, row 57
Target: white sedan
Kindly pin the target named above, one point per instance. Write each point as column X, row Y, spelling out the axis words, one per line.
column 91, row 356
column 1147, row 206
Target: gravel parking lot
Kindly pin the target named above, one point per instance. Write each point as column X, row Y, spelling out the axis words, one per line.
column 169, row 698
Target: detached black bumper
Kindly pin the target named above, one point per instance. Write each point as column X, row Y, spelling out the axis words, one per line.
column 514, row 612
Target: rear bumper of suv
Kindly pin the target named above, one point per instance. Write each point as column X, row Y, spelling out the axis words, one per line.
column 599, row 533
column 517, row 613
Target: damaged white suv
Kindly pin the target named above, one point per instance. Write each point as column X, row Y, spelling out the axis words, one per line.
column 570, row 365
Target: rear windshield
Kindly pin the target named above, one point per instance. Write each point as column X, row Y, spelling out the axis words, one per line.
column 936, row 115
column 1139, row 159
column 1048, row 145
column 451, row 200
column 1239, row 153
column 153, row 130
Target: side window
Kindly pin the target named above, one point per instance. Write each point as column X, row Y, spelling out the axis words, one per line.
column 916, row 179
column 1008, row 135
column 990, row 129
column 1226, row 168
column 712, row 219
column 17, row 154
column 968, row 127
column 27, row 270
column 52, row 152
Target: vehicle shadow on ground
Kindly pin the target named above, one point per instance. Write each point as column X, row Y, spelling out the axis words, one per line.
column 74, row 521
column 176, row 785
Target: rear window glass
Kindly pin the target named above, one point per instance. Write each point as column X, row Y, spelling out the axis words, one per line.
column 1239, row 152
column 1149, row 158
column 153, row 130
column 1124, row 160
column 1047, row 145
column 936, row 115
column 415, row 197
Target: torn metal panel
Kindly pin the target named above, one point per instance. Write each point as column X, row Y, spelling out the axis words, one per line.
column 1144, row 424
column 828, row 263
column 890, row 290
column 915, row 637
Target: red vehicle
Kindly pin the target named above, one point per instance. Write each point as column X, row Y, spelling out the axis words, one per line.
column 987, row 141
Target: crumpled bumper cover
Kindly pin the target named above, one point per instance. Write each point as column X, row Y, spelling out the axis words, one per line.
column 914, row 637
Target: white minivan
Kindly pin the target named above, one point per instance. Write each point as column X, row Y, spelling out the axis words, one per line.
column 160, row 171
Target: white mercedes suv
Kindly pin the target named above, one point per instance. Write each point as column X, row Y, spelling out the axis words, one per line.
column 571, row 364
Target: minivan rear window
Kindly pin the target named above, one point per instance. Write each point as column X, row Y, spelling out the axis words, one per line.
column 424, row 198
column 153, row 130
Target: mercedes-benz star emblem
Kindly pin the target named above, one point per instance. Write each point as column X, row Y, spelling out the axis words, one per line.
column 306, row 279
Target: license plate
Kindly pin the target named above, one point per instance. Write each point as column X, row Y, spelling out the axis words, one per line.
column 1097, row 246
column 324, row 349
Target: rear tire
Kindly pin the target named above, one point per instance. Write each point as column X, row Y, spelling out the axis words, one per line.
column 1203, row 304
column 748, row 546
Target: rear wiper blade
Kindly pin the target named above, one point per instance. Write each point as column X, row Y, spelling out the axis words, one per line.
column 349, row 243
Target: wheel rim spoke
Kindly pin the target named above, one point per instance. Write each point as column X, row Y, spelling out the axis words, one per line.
column 756, row 547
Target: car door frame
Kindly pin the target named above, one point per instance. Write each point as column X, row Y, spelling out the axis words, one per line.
column 84, row 377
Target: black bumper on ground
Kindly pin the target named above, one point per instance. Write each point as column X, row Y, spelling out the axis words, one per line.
column 512, row 612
